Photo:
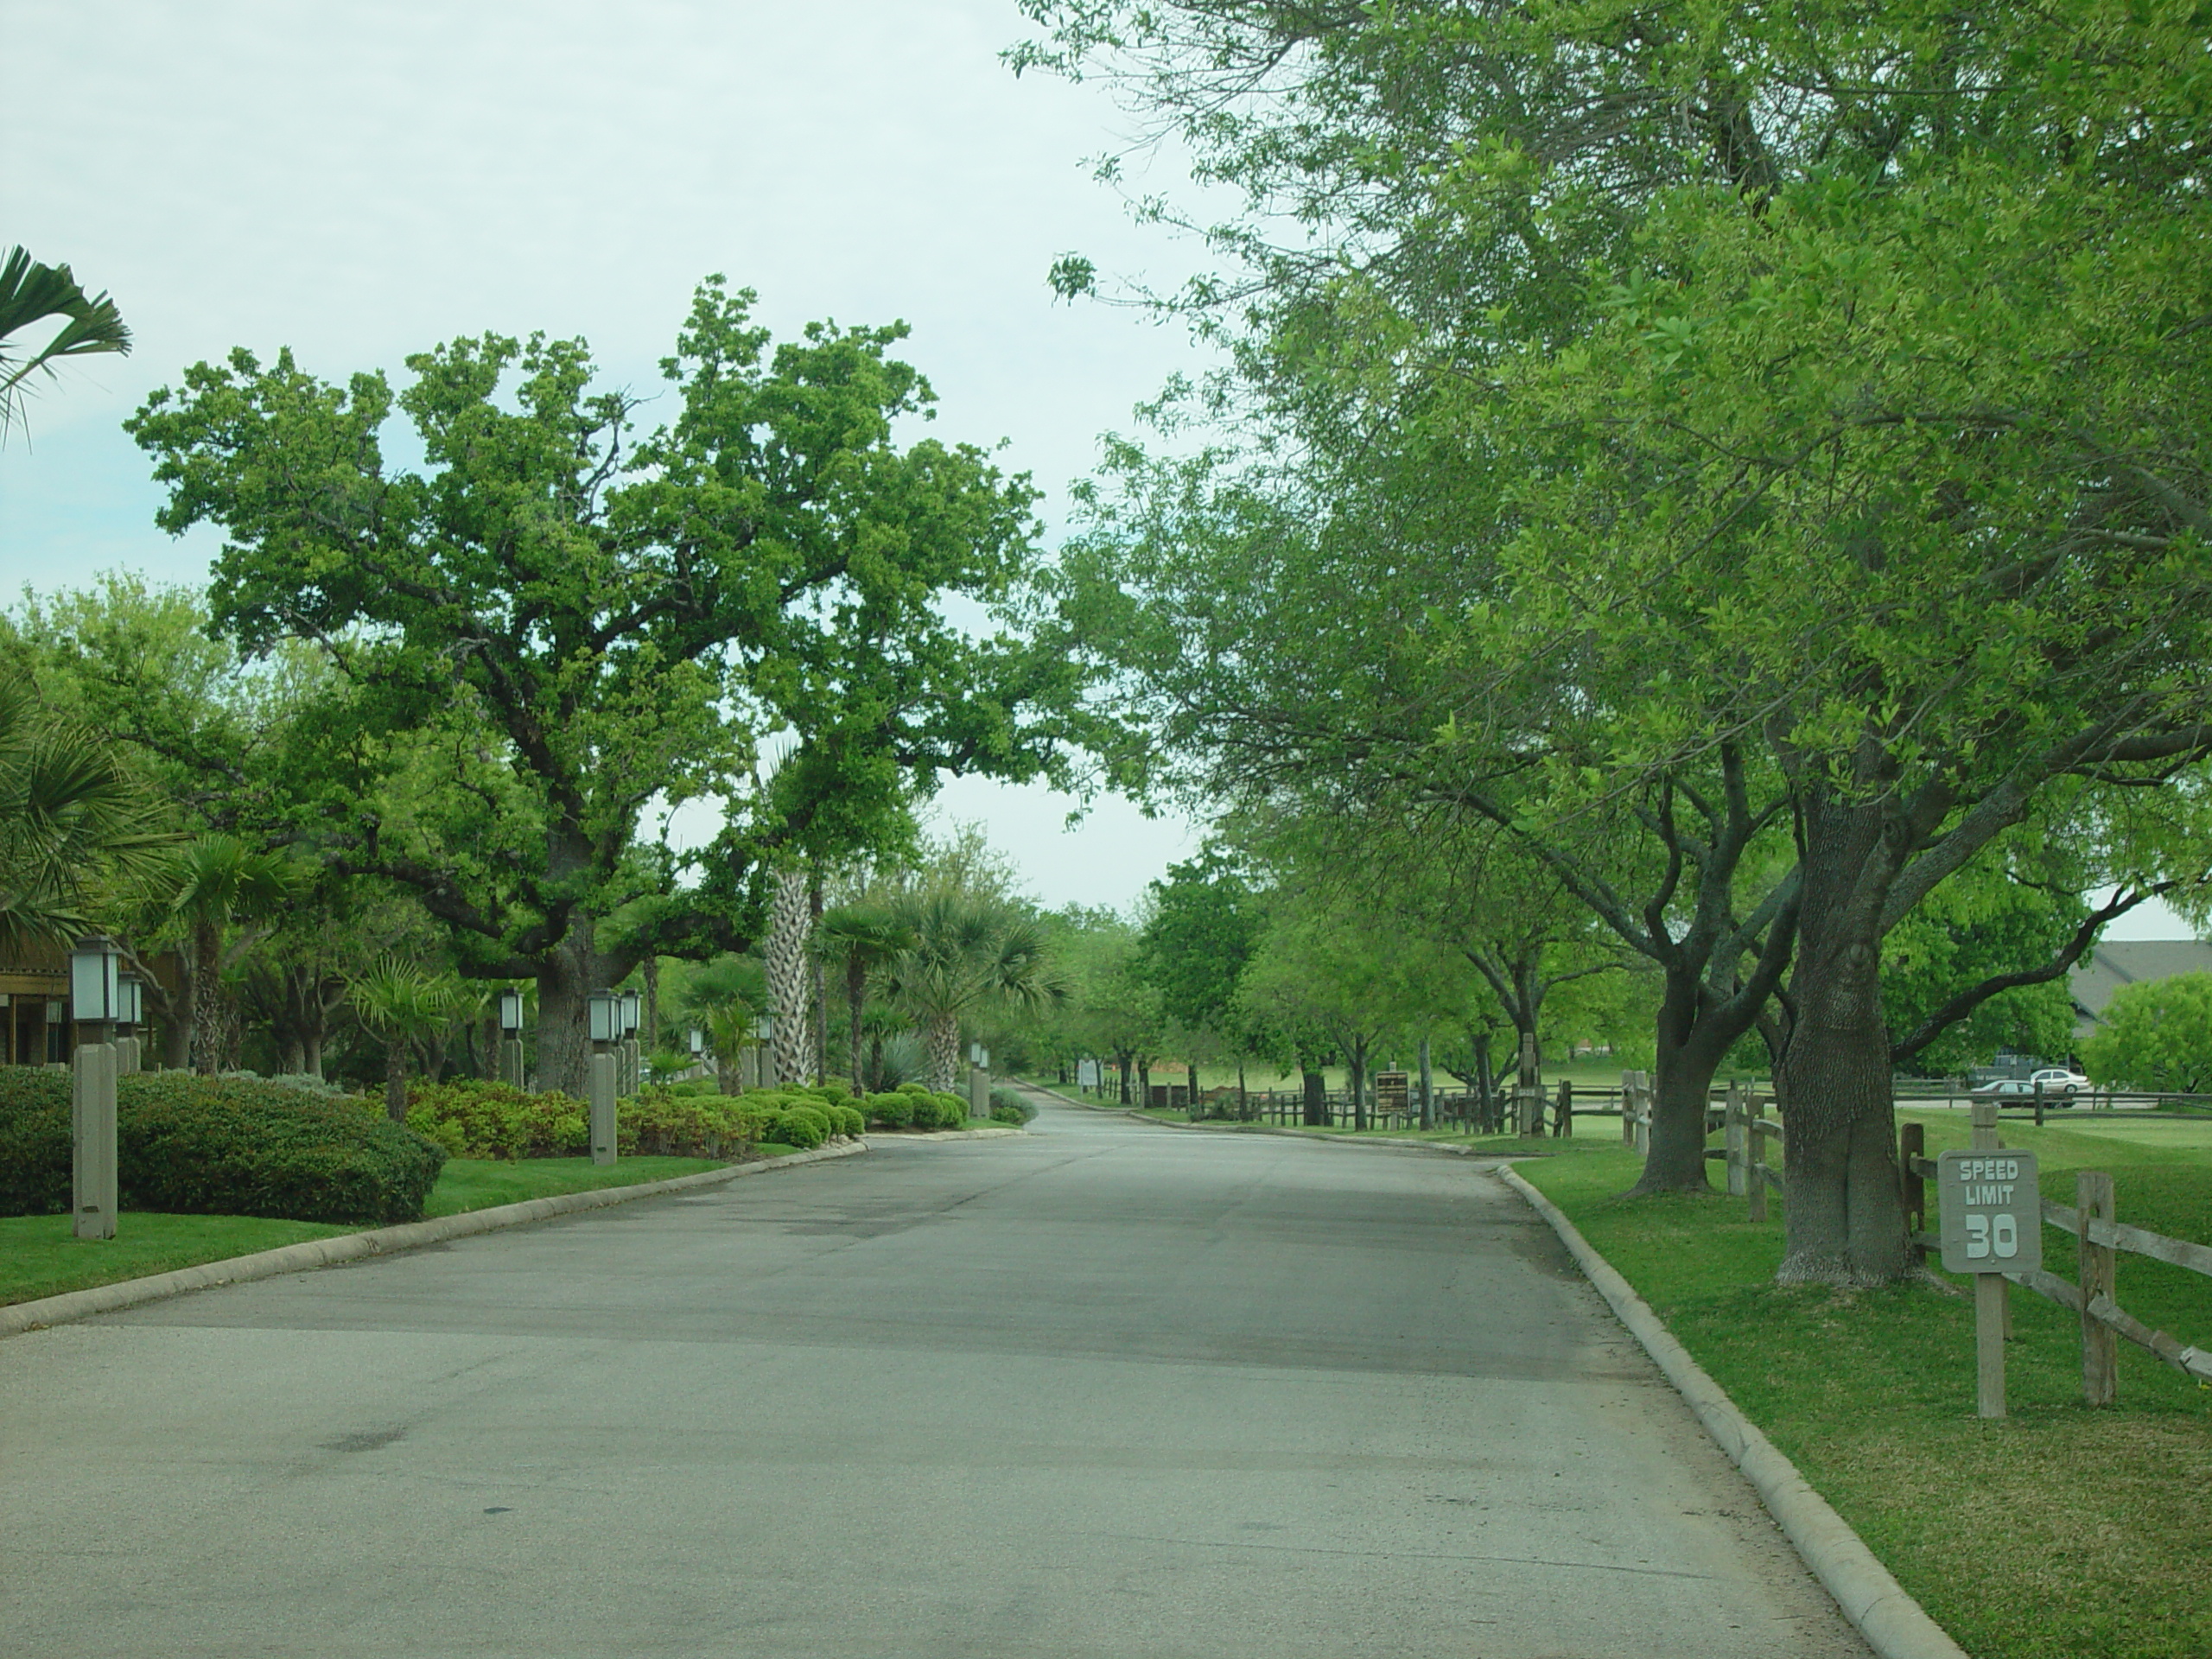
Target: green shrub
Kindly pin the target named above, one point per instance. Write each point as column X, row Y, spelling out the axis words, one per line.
column 1009, row 1107
column 893, row 1110
column 472, row 1117
column 847, row 1120
column 188, row 1145
column 804, row 1127
column 952, row 1110
column 918, row 1089
column 928, row 1114
column 661, row 1122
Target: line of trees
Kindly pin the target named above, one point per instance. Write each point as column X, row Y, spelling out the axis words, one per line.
column 1746, row 463
column 420, row 738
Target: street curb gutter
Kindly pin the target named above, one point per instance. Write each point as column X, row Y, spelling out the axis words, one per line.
column 383, row 1241
column 1895, row 1625
column 1137, row 1116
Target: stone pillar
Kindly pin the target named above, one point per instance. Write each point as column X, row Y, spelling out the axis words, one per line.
column 979, row 1091
column 92, row 1134
column 603, row 1066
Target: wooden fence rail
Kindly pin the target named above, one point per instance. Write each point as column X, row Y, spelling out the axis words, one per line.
column 2098, row 1238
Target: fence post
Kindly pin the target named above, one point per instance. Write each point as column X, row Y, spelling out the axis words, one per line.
column 2096, row 1265
column 1737, row 1133
column 1563, row 1118
column 1628, row 1109
column 1912, row 1142
column 1644, row 1114
column 1755, row 1157
column 2039, row 1105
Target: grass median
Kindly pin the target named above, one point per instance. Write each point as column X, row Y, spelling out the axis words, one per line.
column 40, row 1256
column 2058, row 1533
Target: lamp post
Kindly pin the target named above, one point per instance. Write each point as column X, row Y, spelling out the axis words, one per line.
column 603, row 1010
column 94, row 996
column 632, row 1072
column 753, row 1065
column 511, row 1037
column 130, row 1014
column 979, row 1081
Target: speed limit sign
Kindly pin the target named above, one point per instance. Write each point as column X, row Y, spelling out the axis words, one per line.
column 1990, row 1211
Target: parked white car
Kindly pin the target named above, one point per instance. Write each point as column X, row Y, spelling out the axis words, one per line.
column 2057, row 1080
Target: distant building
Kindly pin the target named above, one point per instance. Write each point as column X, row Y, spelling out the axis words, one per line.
column 2097, row 977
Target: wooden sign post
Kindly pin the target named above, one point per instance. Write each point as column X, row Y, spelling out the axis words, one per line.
column 1991, row 1223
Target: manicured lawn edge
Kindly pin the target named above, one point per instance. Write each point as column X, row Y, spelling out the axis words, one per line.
column 1895, row 1625
column 381, row 1241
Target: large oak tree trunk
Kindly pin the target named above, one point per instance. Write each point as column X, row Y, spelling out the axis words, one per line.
column 565, row 978
column 1689, row 1051
column 1845, row 1218
column 1316, row 1087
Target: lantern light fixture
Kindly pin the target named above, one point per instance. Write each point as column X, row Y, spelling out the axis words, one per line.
column 765, row 1027
column 631, row 1002
column 94, row 967
column 511, row 1013
column 698, row 1041
column 131, row 1007
column 606, row 1016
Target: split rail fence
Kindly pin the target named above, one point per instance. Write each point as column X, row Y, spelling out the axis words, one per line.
column 2091, row 1219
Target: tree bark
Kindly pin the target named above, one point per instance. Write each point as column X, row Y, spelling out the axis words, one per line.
column 1687, row 1050
column 206, row 985
column 1845, row 1222
column 789, row 978
column 856, row 1006
column 1356, row 1080
column 395, row 1079
column 820, row 991
column 1316, row 1087
column 943, row 1051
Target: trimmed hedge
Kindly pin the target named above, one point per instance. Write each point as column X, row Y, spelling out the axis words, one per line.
column 188, row 1145
column 475, row 1118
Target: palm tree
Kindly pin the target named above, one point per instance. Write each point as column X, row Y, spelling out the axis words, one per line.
column 967, row 955
column 219, row 881
column 31, row 293
column 71, row 820
column 402, row 1004
column 862, row 940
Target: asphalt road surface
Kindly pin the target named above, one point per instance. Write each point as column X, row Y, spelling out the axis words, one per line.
column 1107, row 1389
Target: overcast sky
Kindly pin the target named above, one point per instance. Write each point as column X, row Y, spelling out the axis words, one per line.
column 358, row 181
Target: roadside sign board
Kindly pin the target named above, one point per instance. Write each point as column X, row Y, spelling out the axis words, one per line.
column 1990, row 1211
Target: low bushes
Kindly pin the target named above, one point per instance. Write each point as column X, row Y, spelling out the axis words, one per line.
column 471, row 1118
column 188, row 1145
column 1009, row 1107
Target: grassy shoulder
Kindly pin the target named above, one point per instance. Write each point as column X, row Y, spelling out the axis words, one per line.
column 40, row 1256
column 2058, row 1533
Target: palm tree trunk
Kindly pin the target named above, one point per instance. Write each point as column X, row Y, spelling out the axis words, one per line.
column 856, row 1005
column 944, row 1036
column 207, row 987
column 788, row 977
column 395, row 1079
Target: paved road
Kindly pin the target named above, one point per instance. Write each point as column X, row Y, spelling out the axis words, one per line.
column 1109, row 1390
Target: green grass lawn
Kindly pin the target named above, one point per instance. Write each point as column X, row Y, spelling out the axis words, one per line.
column 2060, row 1533
column 39, row 1255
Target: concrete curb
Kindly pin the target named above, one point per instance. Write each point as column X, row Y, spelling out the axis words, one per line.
column 383, row 1240
column 1895, row 1625
column 988, row 1132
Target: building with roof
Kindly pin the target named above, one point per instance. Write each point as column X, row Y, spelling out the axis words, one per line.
column 2094, row 980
